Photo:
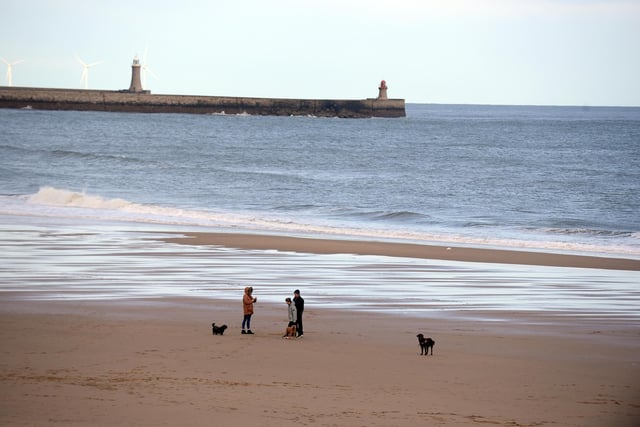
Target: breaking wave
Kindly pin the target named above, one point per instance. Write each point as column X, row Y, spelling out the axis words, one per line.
column 63, row 203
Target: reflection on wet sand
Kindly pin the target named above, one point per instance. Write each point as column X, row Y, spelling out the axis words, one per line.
column 106, row 264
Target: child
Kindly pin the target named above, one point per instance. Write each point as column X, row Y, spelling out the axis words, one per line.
column 291, row 327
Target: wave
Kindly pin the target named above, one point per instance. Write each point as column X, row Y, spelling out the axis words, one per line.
column 591, row 232
column 66, row 154
column 397, row 216
column 56, row 197
column 5, row 147
column 117, row 208
column 293, row 208
column 69, row 154
column 62, row 203
column 394, row 216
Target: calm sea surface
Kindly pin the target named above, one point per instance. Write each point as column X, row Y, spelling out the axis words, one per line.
column 558, row 179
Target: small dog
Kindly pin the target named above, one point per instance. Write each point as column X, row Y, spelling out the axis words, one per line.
column 290, row 331
column 425, row 344
column 218, row 330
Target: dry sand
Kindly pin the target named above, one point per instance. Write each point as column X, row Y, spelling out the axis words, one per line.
column 156, row 363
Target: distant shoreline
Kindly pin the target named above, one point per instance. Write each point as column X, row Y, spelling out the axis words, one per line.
column 473, row 104
column 406, row 250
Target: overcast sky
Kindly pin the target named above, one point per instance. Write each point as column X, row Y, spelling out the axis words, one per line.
column 542, row 52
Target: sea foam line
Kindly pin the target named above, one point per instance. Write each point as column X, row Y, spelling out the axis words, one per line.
column 54, row 202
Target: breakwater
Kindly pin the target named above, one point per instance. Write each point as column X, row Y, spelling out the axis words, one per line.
column 144, row 102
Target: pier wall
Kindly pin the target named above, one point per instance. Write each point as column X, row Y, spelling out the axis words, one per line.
column 124, row 101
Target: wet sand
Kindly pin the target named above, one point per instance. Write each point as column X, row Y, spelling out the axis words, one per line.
column 408, row 250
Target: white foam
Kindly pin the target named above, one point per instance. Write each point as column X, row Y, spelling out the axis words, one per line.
column 54, row 202
column 56, row 197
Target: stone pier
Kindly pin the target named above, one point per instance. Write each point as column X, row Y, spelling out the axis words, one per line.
column 145, row 102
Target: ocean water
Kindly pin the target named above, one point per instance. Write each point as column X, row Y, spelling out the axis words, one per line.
column 86, row 198
column 545, row 178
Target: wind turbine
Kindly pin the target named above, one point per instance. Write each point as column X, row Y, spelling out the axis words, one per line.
column 146, row 69
column 85, row 71
column 9, row 69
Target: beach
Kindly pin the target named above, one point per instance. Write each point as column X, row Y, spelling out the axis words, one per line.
column 154, row 361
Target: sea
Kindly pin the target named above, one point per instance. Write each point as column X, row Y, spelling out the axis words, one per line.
column 537, row 178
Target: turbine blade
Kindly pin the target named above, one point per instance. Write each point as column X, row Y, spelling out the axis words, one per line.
column 148, row 70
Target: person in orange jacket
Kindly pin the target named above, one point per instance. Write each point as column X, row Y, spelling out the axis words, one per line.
column 247, row 302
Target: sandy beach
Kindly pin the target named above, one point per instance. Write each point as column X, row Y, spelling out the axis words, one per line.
column 158, row 364
column 409, row 250
column 155, row 362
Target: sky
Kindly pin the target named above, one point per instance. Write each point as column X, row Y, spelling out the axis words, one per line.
column 507, row 52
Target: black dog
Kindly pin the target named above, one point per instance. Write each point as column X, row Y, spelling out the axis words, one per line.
column 218, row 330
column 425, row 344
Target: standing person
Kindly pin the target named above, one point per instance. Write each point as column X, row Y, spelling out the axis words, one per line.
column 247, row 303
column 299, row 303
column 293, row 318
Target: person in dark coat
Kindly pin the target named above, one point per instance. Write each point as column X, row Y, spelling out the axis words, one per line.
column 299, row 303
